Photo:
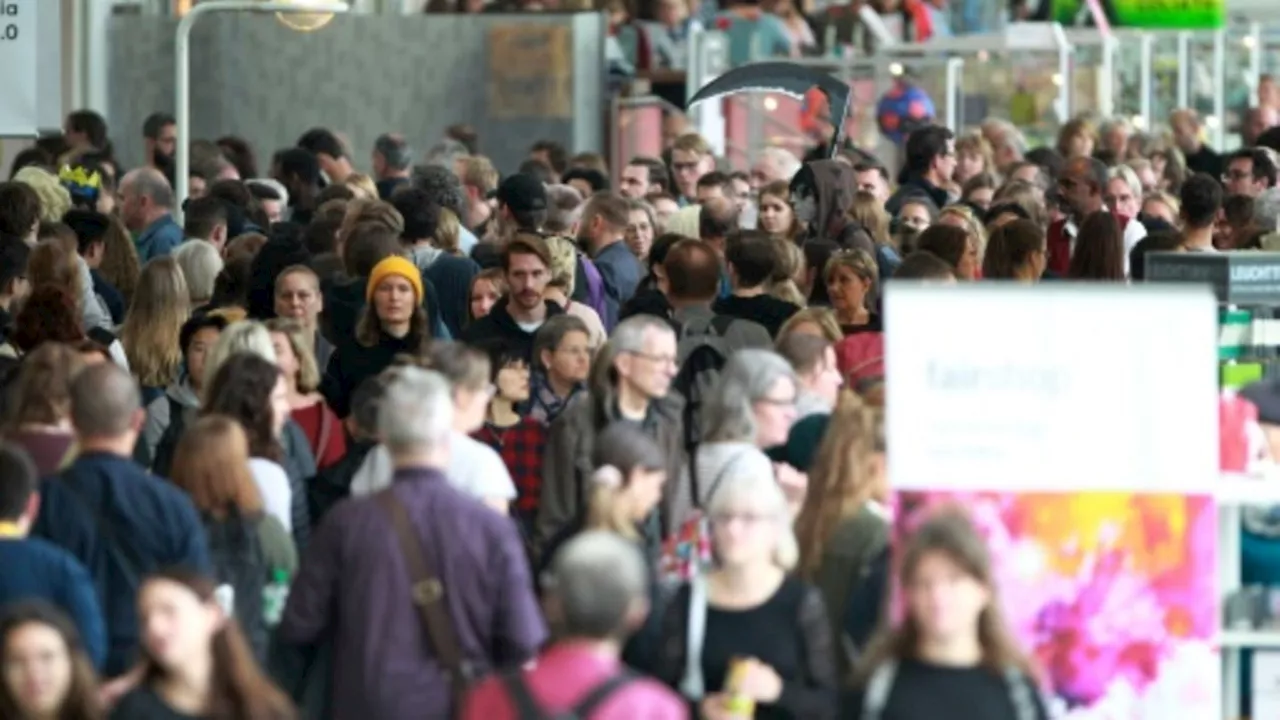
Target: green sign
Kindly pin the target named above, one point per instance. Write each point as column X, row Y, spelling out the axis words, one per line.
column 1171, row 14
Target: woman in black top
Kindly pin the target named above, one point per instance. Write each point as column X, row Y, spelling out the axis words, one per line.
column 850, row 277
column 953, row 650
column 47, row 673
column 196, row 663
column 394, row 321
column 766, row 639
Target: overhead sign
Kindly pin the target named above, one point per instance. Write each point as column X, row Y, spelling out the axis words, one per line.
column 1169, row 14
column 1056, row 387
column 31, row 60
column 1240, row 278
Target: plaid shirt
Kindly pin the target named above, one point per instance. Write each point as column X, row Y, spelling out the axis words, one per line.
column 544, row 405
column 521, row 447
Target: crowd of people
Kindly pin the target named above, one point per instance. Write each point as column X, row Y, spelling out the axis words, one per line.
column 433, row 442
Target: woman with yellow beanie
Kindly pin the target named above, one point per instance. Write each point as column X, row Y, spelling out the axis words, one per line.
column 394, row 322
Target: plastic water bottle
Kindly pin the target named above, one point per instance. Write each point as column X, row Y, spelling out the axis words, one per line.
column 274, row 597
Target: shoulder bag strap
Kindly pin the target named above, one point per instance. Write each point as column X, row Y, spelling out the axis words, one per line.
column 600, row 693
column 693, row 685
column 326, row 430
column 1021, row 693
column 879, row 685
column 428, row 595
column 527, row 707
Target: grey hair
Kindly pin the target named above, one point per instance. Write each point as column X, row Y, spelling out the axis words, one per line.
column 642, row 204
column 150, row 183
column 597, row 578
column 1266, row 210
column 727, row 415
column 564, row 208
column 1009, row 134
column 783, row 159
column 628, row 335
column 200, row 263
column 757, row 489
column 445, row 153
column 248, row 336
column 276, row 186
column 395, row 150
column 416, row 411
column 1130, row 178
column 1118, row 122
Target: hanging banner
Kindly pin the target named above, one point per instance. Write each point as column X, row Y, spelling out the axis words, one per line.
column 30, row 67
column 1167, row 14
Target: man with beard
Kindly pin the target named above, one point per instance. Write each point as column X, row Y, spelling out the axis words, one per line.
column 515, row 319
column 1081, row 188
column 159, row 139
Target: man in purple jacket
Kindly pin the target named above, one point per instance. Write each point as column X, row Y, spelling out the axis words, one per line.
column 354, row 583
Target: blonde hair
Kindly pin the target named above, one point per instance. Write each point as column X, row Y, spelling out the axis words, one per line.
column 308, row 378
column 245, row 336
column 869, row 212
column 479, row 173
column 824, row 318
column 973, row 143
column 448, row 232
column 862, row 265
column 839, row 481
column 361, row 186
column 564, row 263
column 154, row 322
column 55, row 200
column 972, row 225
column 782, row 284
column 1168, row 199
column 760, row 489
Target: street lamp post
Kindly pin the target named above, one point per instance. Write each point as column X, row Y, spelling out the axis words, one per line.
column 182, row 84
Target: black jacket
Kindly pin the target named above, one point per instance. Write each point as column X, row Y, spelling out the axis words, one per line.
column 353, row 363
column 344, row 301
column 499, row 326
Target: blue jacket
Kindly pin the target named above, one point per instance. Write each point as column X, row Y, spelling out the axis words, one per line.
column 621, row 273
column 158, row 239
column 36, row 569
column 123, row 524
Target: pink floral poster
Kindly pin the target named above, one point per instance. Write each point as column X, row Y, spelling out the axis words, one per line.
column 1113, row 593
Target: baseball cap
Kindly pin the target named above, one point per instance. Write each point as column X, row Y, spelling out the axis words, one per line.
column 522, row 192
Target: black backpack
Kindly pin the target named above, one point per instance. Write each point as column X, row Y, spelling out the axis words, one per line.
column 702, row 351
column 239, row 561
column 527, row 707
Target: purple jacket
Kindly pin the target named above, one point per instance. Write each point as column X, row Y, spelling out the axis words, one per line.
column 354, row 585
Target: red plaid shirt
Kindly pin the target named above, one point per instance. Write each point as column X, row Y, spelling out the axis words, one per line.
column 521, row 447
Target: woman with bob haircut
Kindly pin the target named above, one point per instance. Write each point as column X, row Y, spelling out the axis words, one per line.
column 196, row 663
column 40, row 406
column 312, row 414
column 952, row 649
column 765, row 635
column 47, row 675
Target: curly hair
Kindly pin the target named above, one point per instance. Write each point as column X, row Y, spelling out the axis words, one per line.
column 48, row 315
column 241, row 389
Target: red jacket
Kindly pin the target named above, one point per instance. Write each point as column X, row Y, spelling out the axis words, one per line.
column 1058, row 244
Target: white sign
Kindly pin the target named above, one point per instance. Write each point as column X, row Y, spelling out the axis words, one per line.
column 1054, row 387
column 19, row 99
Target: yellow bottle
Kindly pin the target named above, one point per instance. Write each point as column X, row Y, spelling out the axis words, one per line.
column 739, row 705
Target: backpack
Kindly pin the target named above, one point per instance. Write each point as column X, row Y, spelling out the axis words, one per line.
column 527, row 707
column 595, row 295
column 238, row 559
column 702, row 351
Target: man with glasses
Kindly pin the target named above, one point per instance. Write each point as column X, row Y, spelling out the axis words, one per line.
column 1250, row 171
column 930, row 163
column 691, row 158
column 642, row 359
column 1081, row 188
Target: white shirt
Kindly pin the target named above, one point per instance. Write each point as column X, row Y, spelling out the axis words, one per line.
column 273, row 485
column 474, row 468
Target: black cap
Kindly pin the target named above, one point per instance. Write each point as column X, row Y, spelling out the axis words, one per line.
column 522, row 193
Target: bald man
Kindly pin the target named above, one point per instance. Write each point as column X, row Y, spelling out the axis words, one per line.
column 146, row 207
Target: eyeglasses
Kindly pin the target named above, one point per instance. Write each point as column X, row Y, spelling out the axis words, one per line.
column 778, row 402
column 668, row 360
column 746, row 518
